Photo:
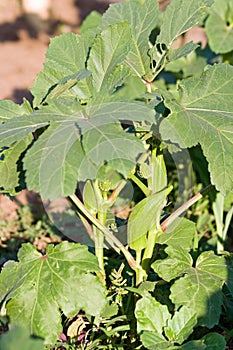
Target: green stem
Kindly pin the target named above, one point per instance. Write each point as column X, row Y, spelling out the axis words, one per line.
column 112, row 239
column 140, row 273
column 99, row 251
column 139, row 183
column 149, row 250
column 99, row 237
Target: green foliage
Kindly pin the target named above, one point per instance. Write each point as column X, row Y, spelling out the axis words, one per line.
column 104, row 120
column 39, row 287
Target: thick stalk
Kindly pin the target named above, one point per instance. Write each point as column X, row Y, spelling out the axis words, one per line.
column 156, row 183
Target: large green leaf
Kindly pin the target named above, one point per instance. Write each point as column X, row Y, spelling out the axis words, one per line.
column 200, row 288
column 219, row 26
column 177, row 262
column 108, row 51
column 53, row 161
column 143, row 17
column 44, row 285
column 203, row 114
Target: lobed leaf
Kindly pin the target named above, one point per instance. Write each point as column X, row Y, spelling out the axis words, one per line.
column 45, row 284
column 200, row 288
column 203, row 114
column 143, row 17
column 57, row 159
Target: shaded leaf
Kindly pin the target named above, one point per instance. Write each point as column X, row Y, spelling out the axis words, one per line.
column 214, row 341
column 181, row 325
column 179, row 232
column 205, row 108
column 19, row 338
column 193, row 345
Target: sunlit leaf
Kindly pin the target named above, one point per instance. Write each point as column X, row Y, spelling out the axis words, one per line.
column 44, row 285
column 204, row 107
column 143, row 18
column 219, row 26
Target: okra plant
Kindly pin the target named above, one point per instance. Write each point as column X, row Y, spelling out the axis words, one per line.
column 102, row 129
